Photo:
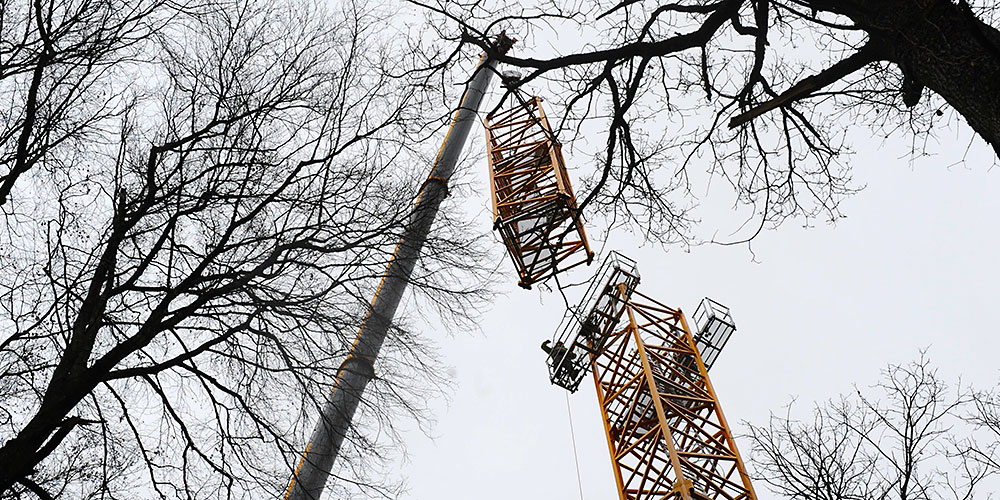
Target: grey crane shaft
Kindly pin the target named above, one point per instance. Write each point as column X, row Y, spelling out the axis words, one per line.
column 357, row 370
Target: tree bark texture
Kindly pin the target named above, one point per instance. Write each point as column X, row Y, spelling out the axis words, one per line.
column 942, row 46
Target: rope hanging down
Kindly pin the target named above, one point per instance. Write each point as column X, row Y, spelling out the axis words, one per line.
column 576, row 458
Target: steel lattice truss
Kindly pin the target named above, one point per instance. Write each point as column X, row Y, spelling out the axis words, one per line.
column 668, row 439
column 533, row 204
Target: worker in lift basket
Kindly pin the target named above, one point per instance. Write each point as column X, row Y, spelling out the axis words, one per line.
column 590, row 330
column 557, row 353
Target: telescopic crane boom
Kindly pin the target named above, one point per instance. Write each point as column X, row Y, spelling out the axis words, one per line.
column 309, row 479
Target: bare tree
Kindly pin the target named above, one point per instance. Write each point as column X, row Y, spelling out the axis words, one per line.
column 985, row 417
column 903, row 440
column 759, row 93
column 198, row 199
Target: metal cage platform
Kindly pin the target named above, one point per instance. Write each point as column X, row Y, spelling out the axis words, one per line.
column 715, row 327
column 582, row 330
column 666, row 432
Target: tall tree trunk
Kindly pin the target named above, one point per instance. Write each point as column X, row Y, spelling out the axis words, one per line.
column 943, row 47
column 21, row 454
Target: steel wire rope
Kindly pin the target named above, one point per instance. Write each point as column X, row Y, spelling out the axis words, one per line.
column 576, row 458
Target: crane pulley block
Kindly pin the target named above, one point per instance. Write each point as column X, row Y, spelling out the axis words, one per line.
column 533, row 204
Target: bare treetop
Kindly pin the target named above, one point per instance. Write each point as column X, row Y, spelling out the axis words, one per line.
column 198, row 198
column 902, row 439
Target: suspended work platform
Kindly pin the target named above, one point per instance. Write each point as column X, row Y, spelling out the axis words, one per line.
column 579, row 334
column 533, row 204
column 666, row 432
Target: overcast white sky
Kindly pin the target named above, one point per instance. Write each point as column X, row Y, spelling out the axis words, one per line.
column 912, row 266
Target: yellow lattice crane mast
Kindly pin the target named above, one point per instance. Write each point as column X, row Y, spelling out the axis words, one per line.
column 533, row 205
column 665, row 429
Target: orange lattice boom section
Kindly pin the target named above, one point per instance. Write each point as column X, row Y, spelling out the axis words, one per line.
column 533, row 204
column 666, row 432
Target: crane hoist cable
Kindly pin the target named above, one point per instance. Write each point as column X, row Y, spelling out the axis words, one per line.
column 576, row 457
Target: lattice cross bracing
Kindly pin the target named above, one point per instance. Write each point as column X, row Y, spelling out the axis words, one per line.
column 533, row 204
column 666, row 432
